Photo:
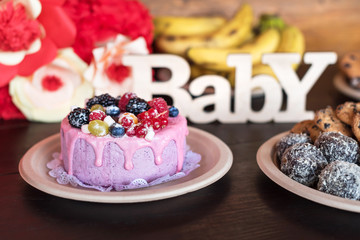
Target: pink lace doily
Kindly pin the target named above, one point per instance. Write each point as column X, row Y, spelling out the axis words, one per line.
column 57, row 171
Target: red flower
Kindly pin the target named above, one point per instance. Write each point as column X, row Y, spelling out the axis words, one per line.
column 17, row 32
column 7, row 109
column 22, row 28
column 99, row 20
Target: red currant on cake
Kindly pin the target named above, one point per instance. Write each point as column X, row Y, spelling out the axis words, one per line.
column 147, row 122
column 141, row 131
column 149, row 114
column 131, row 132
column 163, row 122
column 156, row 124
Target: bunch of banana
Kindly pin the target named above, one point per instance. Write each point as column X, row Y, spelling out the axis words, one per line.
column 292, row 41
column 232, row 33
column 273, row 36
column 207, row 41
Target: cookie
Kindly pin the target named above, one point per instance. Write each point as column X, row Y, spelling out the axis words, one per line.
column 327, row 121
column 356, row 126
column 345, row 112
column 307, row 126
column 350, row 66
column 314, row 131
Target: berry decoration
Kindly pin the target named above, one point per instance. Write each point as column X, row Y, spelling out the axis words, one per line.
column 116, row 130
column 160, row 105
column 173, row 112
column 124, row 100
column 149, row 114
column 113, row 111
column 131, row 132
column 97, row 107
column 137, row 106
column 139, row 118
column 98, row 128
column 156, row 124
column 91, row 102
column 147, row 123
column 127, row 120
column 164, row 122
column 78, row 117
column 141, row 131
column 104, row 100
column 97, row 115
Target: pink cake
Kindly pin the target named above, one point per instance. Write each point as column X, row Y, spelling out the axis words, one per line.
column 113, row 160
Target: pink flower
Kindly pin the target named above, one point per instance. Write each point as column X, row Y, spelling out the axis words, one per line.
column 31, row 31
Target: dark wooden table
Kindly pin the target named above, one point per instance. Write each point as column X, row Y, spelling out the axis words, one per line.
column 244, row 204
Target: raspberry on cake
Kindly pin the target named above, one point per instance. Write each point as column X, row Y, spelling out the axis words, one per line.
column 144, row 141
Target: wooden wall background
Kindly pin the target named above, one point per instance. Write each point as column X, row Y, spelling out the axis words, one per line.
column 328, row 25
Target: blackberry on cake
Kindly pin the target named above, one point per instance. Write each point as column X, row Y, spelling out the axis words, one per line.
column 78, row 117
column 104, row 100
column 303, row 162
column 137, row 106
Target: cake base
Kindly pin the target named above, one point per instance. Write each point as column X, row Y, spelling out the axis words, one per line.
column 57, row 171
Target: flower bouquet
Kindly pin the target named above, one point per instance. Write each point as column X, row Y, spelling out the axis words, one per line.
column 56, row 53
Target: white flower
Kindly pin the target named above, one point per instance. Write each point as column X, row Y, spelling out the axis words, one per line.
column 106, row 72
column 49, row 93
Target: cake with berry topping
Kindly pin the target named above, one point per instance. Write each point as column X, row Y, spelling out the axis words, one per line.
column 114, row 141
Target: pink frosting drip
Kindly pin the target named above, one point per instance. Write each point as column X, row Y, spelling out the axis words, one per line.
column 176, row 130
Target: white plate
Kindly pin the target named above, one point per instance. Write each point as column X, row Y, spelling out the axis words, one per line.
column 216, row 160
column 267, row 163
column 344, row 87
